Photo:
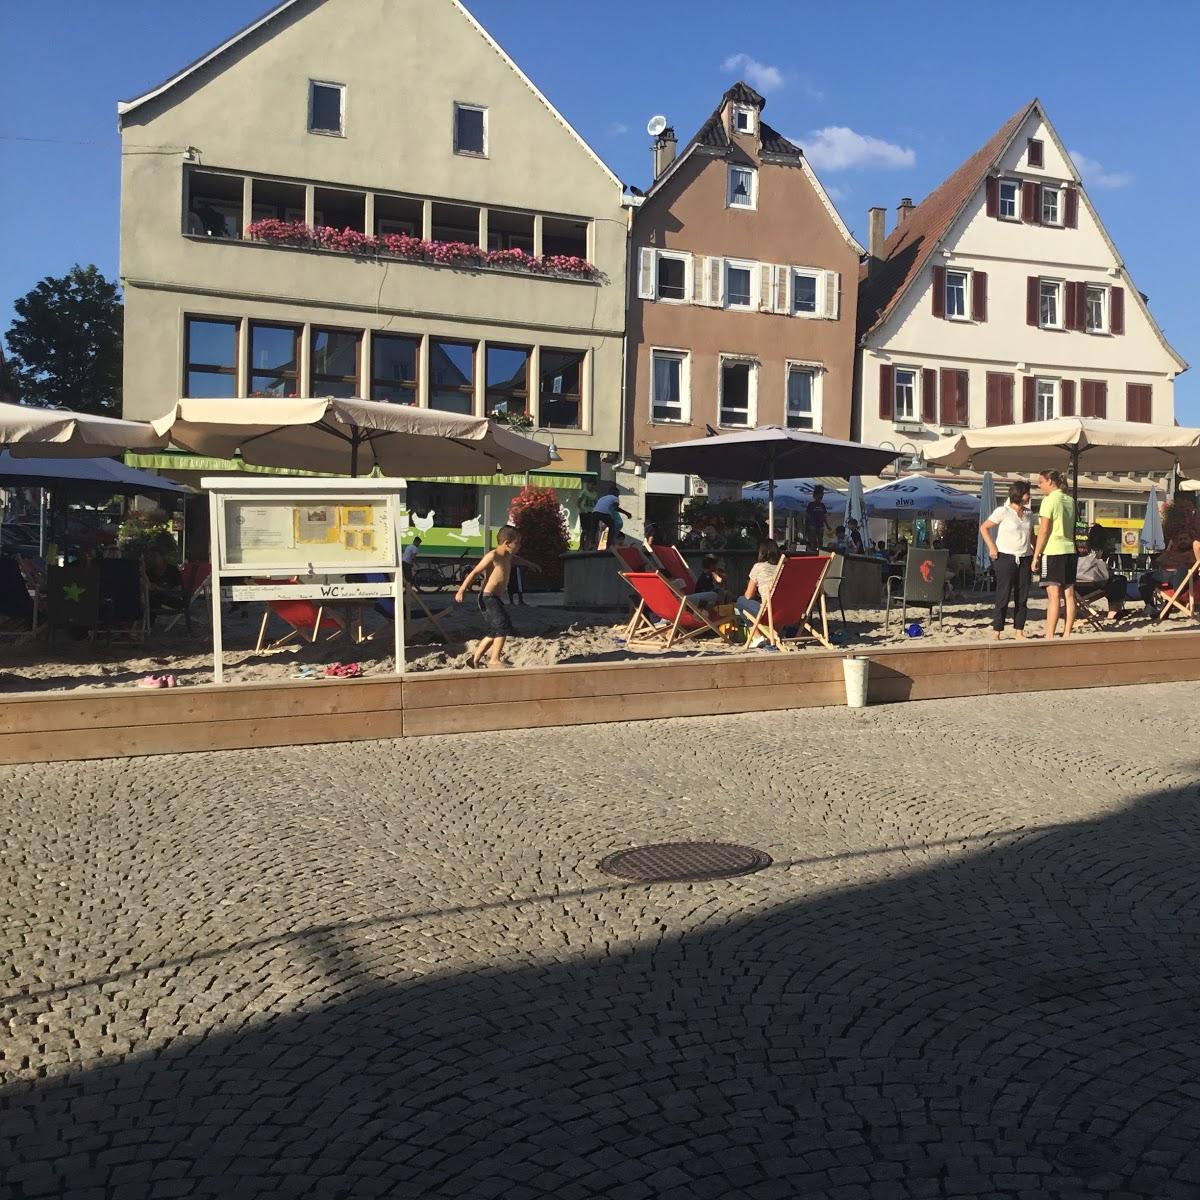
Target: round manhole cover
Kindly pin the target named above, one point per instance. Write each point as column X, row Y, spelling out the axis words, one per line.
column 684, row 862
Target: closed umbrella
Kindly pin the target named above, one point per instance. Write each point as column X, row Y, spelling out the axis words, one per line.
column 344, row 436
column 59, row 433
column 1151, row 536
column 855, row 506
column 987, row 506
column 768, row 453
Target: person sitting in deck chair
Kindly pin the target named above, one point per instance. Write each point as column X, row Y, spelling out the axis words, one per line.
column 762, row 578
column 1094, row 581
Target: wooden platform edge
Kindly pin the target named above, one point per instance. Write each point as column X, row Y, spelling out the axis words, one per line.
column 104, row 723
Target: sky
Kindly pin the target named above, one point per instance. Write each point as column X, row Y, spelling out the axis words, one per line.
column 886, row 100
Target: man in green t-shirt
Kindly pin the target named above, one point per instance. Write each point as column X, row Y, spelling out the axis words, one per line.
column 1055, row 550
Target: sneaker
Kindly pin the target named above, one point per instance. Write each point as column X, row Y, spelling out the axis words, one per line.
column 757, row 642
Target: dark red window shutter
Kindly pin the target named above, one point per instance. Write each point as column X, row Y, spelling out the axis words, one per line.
column 949, row 405
column 992, row 400
column 1116, row 310
column 992, row 191
column 1100, row 403
column 1031, row 203
column 1085, row 398
column 939, row 291
column 1137, row 402
column 887, row 391
column 979, row 296
column 1006, row 399
column 1029, row 407
column 1076, row 302
column 1071, row 208
column 962, row 414
column 1031, row 300
column 1066, row 391
column 929, row 395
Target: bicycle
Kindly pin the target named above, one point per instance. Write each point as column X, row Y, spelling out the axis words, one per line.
column 437, row 574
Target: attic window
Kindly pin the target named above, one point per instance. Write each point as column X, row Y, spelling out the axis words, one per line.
column 326, row 108
column 1037, row 157
column 470, row 129
column 743, row 119
column 742, row 188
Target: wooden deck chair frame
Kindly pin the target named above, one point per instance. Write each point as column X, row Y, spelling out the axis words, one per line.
column 409, row 590
column 1187, row 588
column 642, row 632
column 201, row 595
column 674, row 565
column 311, row 638
column 1084, row 609
column 764, row 620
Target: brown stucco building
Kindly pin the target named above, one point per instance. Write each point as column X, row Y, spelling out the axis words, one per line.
column 743, row 293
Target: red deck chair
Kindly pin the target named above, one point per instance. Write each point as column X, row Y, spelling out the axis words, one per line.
column 1185, row 597
column 681, row 619
column 675, row 566
column 796, row 597
column 631, row 558
column 306, row 619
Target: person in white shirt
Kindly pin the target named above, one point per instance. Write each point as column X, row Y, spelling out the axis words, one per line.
column 1008, row 535
column 606, row 510
column 408, row 556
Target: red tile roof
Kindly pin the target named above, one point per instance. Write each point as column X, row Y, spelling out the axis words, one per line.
column 909, row 246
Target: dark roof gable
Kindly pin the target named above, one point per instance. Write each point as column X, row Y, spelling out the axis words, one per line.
column 743, row 93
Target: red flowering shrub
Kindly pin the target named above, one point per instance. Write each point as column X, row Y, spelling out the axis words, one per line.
column 1181, row 520
column 539, row 520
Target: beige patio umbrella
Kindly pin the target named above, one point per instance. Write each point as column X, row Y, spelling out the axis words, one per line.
column 58, row 433
column 349, row 436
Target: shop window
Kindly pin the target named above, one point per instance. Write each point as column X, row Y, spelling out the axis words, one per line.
column 394, row 364
column 564, row 235
column 272, row 199
column 210, row 358
column 274, row 360
column 506, row 377
column 334, row 359
column 452, row 376
column 214, row 204
column 560, row 396
column 340, row 209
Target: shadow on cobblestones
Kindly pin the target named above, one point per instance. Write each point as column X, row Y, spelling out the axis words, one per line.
column 1015, row 1022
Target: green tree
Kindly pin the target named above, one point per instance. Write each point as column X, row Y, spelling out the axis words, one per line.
column 66, row 343
column 10, row 390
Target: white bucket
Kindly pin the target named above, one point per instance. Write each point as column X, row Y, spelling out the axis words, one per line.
column 856, row 669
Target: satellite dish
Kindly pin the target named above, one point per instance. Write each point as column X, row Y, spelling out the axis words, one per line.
column 656, row 125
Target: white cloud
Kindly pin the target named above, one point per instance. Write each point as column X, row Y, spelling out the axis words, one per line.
column 761, row 76
column 837, row 194
column 1095, row 175
column 617, row 128
column 838, row 148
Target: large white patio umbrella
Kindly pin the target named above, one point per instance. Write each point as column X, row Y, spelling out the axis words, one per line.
column 1151, row 536
column 29, row 432
column 348, row 436
column 987, row 506
column 919, row 496
column 794, row 495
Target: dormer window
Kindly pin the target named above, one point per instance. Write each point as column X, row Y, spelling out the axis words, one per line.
column 743, row 119
column 327, row 108
column 742, row 187
column 1036, row 153
column 1010, row 193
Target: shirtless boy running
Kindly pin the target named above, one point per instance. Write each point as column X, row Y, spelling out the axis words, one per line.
column 499, row 563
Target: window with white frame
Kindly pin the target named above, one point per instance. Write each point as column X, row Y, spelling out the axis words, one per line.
column 803, row 397
column 743, row 119
column 806, row 293
column 956, row 294
column 1051, row 205
column 326, row 108
column 743, row 184
column 1045, row 403
column 671, row 276
column 1010, row 199
column 739, row 284
column 1049, row 304
column 669, row 400
column 470, row 129
column 1096, row 317
column 738, row 387
column 905, row 399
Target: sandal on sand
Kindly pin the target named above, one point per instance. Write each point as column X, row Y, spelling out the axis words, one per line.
column 157, row 681
column 343, row 671
column 308, row 671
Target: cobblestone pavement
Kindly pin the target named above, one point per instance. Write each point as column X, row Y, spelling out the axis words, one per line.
column 393, row 969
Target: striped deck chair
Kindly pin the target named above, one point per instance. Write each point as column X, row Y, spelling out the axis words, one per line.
column 679, row 620
column 675, row 565
column 797, row 596
column 1184, row 597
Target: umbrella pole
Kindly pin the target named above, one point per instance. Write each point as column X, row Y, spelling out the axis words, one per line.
column 354, row 455
column 771, row 497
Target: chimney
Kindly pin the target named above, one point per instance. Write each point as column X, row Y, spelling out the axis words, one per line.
column 875, row 234
column 663, row 150
column 904, row 210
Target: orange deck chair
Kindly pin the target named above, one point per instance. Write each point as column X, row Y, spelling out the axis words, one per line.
column 675, row 566
column 796, row 597
column 680, row 620
column 1185, row 597
column 307, row 620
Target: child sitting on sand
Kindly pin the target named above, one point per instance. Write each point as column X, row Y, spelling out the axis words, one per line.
column 497, row 565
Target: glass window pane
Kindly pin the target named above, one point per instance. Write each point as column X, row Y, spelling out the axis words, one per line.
column 394, row 359
column 335, row 352
column 271, row 385
column 446, row 400
column 739, row 286
column 208, row 384
column 326, row 108
column 272, row 348
column 672, row 277
column 212, row 343
column 391, row 393
column 469, row 130
column 452, row 363
column 805, row 293
column 506, row 367
column 560, row 372
column 800, row 391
